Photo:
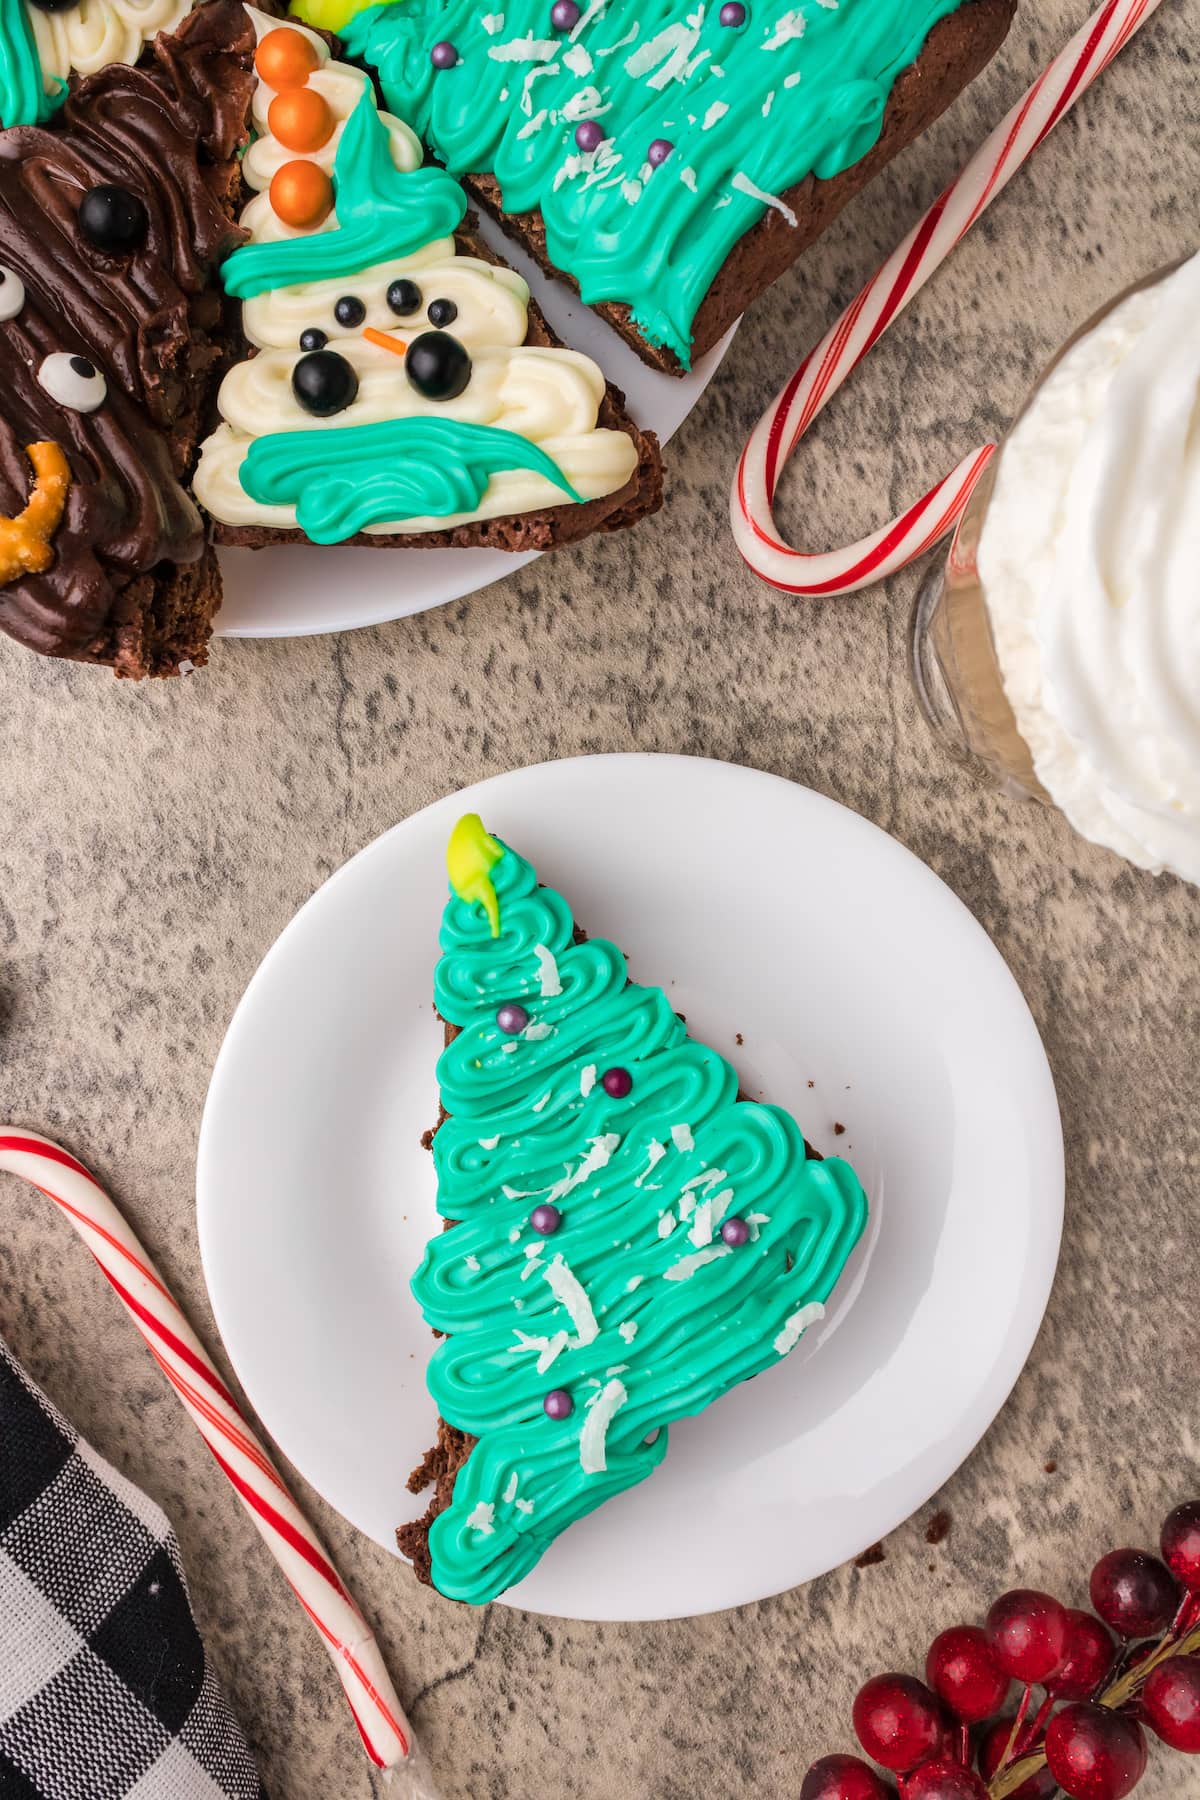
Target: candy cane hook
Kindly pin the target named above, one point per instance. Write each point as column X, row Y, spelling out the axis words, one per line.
column 238, row 1452
column 864, row 322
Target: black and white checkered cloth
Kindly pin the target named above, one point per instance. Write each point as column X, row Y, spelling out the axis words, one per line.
column 105, row 1690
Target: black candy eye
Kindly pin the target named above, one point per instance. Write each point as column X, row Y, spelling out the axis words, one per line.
column 349, row 310
column 55, row 6
column 113, row 220
column 404, row 297
column 324, row 383
column 73, row 381
column 12, row 294
column 437, row 365
column 442, row 312
column 313, row 339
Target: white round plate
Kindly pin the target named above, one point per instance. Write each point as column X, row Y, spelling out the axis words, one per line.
column 865, row 995
column 294, row 590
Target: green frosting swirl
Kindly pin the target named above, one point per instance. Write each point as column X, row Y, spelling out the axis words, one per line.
column 343, row 479
column 669, row 1313
column 382, row 213
column 799, row 89
column 23, row 96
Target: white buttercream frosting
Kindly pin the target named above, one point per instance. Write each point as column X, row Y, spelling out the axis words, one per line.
column 1090, row 564
column 93, row 34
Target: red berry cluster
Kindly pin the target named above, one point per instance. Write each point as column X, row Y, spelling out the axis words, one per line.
column 946, row 1738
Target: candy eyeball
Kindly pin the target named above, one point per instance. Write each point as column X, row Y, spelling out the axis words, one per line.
column 349, row 311
column 73, row 381
column 404, row 297
column 441, row 312
column 313, row 338
column 113, row 219
column 12, row 294
column 437, row 365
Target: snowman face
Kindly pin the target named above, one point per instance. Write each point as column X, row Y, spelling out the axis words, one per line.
column 434, row 289
column 81, row 36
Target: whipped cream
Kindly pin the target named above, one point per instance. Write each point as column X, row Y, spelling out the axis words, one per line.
column 1090, row 564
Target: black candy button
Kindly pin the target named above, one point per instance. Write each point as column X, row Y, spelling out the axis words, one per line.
column 324, row 383
column 349, row 311
column 55, row 6
column 404, row 297
column 442, row 312
column 313, row 339
column 437, row 365
column 113, row 220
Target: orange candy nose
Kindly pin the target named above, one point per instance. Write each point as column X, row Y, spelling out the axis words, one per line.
column 301, row 194
column 285, row 58
column 300, row 118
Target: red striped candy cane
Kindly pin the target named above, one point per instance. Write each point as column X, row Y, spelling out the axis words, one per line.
column 864, row 322
column 239, row 1453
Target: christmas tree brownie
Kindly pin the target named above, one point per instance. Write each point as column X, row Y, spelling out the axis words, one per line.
column 399, row 390
column 111, row 226
column 671, row 157
column 605, row 1190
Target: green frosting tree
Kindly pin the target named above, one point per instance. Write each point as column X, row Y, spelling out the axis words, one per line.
column 631, row 1239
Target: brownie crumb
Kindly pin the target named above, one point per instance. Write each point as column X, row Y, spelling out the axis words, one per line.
column 427, row 1139
column 812, row 1084
column 838, row 1130
column 870, row 1556
column 938, row 1528
column 738, row 1038
column 1050, row 1467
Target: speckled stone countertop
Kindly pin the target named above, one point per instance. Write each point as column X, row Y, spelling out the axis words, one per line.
column 157, row 838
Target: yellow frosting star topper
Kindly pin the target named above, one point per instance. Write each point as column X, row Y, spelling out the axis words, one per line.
column 328, row 15
column 471, row 855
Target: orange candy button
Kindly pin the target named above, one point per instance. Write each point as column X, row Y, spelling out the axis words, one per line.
column 286, row 58
column 300, row 118
column 301, row 194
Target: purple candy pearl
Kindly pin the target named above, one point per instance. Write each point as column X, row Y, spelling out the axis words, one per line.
column 545, row 1219
column 512, row 1019
column 659, row 151
column 616, row 1083
column 732, row 13
column 558, row 1404
column 443, row 55
column 735, row 1233
column 589, row 135
column 564, row 15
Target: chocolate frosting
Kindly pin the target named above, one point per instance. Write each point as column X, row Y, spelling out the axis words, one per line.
column 168, row 132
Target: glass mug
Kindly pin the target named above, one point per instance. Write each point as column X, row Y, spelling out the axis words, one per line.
column 954, row 665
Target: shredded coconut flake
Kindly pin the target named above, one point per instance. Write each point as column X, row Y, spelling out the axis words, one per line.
column 788, row 27
column 525, row 1506
column 542, row 1102
column 578, row 61
column 666, row 1224
column 633, row 1284
column 631, row 191
column 488, row 1143
column 716, row 112
column 480, row 1517
column 701, row 1232
column 510, row 1492
column 514, row 1236
column 768, row 103
column 472, row 1263
column 508, row 1049
column 681, row 1137
column 593, row 1439
column 792, row 80
column 744, row 185
column 799, row 1321
column 628, row 1330
column 568, row 1290
column 597, row 1158
column 493, row 23
column 587, row 1080
column 534, row 1033
column 686, row 1267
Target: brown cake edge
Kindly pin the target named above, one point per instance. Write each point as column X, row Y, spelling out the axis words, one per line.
column 957, row 49
column 441, row 1464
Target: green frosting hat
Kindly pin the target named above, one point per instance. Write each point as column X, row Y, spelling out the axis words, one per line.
column 23, row 96
column 383, row 213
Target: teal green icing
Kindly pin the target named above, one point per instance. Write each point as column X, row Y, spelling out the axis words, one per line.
column 654, row 75
column 23, row 96
column 518, row 1131
column 382, row 213
column 343, row 479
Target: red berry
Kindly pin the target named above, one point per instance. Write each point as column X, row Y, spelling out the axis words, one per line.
column 844, row 1778
column 898, row 1721
column 1181, row 1544
column 1171, row 1702
column 1094, row 1753
column 1040, row 1786
column 1134, row 1593
column 962, row 1671
column 944, row 1780
column 1028, row 1634
column 1090, row 1655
